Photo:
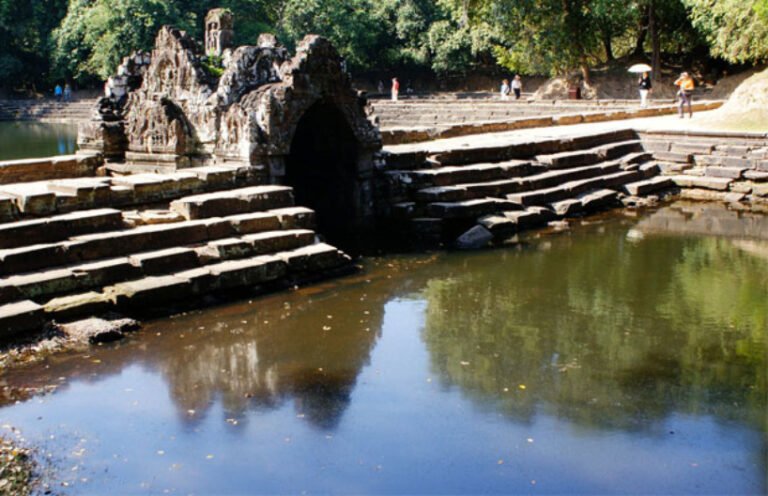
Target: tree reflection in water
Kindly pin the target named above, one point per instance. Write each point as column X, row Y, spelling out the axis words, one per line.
column 607, row 332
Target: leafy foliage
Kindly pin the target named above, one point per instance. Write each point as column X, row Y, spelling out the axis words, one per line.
column 737, row 30
column 48, row 41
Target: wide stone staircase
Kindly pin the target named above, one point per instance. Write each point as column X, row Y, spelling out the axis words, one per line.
column 72, row 248
column 472, row 197
column 46, row 110
column 731, row 167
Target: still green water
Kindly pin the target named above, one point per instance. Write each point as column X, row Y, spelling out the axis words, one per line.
column 36, row 139
column 626, row 356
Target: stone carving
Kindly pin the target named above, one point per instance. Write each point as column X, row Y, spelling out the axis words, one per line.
column 105, row 132
column 185, row 111
column 219, row 32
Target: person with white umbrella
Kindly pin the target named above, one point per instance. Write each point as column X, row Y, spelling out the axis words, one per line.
column 644, row 82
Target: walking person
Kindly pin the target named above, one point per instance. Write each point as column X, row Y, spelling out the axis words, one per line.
column 57, row 92
column 380, row 87
column 67, row 92
column 504, row 90
column 517, row 86
column 395, row 89
column 686, row 85
column 645, row 88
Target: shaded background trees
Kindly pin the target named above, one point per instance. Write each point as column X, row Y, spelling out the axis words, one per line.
column 47, row 41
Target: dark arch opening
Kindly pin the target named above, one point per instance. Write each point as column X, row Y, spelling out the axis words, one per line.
column 321, row 169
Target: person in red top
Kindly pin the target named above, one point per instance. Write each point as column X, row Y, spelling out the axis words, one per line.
column 686, row 85
column 395, row 89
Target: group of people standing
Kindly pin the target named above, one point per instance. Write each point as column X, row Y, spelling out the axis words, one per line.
column 685, row 85
column 515, row 87
column 63, row 94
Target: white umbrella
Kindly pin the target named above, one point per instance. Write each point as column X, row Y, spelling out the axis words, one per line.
column 638, row 68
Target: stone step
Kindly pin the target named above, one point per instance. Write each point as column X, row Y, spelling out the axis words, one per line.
column 60, row 227
column 648, row 186
column 80, row 278
column 248, row 273
column 596, row 200
column 683, row 158
column 463, row 209
column 591, row 156
column 727, row 172
column 45, row 198
column 147, row 238
column 500, row 189
column 703, row 182
column 236, row 201
column 505, row 224
column 574, row 188
column 19, row 318
column 449, row 175
column 255, row 244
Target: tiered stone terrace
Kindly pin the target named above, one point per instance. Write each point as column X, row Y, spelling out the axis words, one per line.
column 71, row 248
column 492, row 192
column 47, row 110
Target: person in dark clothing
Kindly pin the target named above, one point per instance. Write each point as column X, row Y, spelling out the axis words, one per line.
column 645, row 88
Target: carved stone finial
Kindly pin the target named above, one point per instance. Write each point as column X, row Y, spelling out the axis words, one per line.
column 219, row 31
column 267, row 40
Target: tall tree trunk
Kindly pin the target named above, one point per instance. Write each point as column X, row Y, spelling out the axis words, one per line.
column 655, row 42
column 642, row 31
column 608, row 44
column 585, row 74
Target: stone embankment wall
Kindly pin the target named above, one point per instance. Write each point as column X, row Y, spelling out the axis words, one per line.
column 417, row 121
column 729, row 167
column 47, row 168
column 53, row 111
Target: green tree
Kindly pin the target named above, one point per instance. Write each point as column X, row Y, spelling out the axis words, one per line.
column 96, row 34
column 25, row 29
column 736, row 30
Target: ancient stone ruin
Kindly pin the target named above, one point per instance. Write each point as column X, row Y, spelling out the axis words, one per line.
column 293, row 120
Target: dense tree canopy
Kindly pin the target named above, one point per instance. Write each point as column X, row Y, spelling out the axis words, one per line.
column 737, row 30
column 45, row 41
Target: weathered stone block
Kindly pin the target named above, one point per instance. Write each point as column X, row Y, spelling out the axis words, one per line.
column 65, row 308
column 224, row 203
column 756, row 176
column 247, row 273
column 97, row 330
column 316, row 257
column 19, row 318
column 476, row 237
column 165, row 261
column 729, row 172
column 464, row 209
column 567, row 208
column 26, row 258
column 274, row 241
column 255, row 222
column 498, row 225
column 226, row 249
column 597, row 200
column 150, row 292
column 642, row 188
column 715, row 183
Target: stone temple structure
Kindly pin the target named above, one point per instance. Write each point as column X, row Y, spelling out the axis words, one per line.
column 293, row 120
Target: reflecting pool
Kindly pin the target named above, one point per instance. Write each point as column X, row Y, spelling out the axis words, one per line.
column 36, row 139
column 623, row 356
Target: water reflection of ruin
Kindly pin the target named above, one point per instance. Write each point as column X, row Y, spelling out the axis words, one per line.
column 256, row 360
column 551, row 334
